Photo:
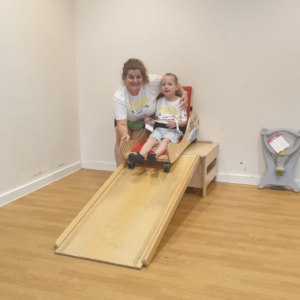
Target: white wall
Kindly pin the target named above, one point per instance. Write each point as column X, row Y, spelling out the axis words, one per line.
column 240, row 56
column 39, row 122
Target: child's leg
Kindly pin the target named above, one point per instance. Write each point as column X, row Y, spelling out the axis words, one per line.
column 151, row 142
column 151, row 157
column 139, row 157
column 162, row 147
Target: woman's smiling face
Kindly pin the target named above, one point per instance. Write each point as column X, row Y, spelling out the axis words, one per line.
column 134, row 81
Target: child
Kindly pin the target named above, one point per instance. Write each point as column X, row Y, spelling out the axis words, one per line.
column 170, row 118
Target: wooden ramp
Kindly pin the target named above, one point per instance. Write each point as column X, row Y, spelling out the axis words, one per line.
column 126, row 219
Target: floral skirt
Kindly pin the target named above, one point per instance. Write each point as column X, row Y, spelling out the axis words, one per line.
column 136, row 125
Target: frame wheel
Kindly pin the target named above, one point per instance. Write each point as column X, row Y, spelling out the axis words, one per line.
column 166, row 167
column 130, row 164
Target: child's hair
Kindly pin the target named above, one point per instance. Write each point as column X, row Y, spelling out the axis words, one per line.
column 135, row 64
column 175, row 77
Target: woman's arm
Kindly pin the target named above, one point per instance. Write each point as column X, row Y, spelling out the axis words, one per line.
column 183, row 97
column 122, row 130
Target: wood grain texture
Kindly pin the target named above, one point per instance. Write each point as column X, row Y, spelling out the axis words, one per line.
column 174, row 150
column 238, row 243
column 169, row 210
column 123, row 222
column 126, row 147
column 90, row 205
column 207, row 169
column 200, row 148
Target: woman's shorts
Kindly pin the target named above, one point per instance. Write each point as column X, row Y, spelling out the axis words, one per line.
column 134, row 125
column 171, row 134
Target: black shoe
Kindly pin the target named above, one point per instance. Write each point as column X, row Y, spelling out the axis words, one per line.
column 137, row 158
column 151, row 159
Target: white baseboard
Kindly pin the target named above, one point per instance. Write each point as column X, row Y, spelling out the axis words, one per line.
column 221, row 177
column 99, row 166
column 39, row 183
column 242, row 179
column 230, row 178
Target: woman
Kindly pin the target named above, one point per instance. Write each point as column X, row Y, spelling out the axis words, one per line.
column 135, row 100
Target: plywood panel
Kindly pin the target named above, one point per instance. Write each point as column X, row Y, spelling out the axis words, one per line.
column 175, row 150
column 205, row 172
column 201, row 148
column 90, row 204
column 118, row 227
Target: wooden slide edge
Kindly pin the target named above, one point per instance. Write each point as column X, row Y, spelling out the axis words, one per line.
column 165, row 218
column 135, row 267
column 175, row 150
column 87, row 207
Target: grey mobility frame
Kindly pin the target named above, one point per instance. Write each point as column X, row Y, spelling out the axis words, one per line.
column 280, row 172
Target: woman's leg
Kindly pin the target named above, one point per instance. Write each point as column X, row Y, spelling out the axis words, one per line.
column 136, row 134
column 118, row 152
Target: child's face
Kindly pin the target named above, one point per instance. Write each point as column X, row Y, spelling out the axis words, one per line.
column 168, row 86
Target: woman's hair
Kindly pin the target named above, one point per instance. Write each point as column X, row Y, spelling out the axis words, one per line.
column 135, row 64
column 174, row 76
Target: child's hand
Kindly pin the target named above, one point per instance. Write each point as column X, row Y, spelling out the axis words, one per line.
column 147, row 121
column 170, row 123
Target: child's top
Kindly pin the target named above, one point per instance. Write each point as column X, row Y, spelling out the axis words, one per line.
column 170, row 110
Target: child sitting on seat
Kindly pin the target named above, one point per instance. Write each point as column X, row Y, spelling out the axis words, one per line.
column 169, row 118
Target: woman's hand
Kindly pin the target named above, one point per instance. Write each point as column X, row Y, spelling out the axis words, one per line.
column 183, row 103
column 170, row 123
column 125, row 137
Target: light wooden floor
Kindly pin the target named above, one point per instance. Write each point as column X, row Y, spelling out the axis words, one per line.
column 239, row 243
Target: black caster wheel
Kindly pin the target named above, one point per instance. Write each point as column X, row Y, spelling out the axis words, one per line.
column 194, row 141
column 166, row 167
column 131, row 165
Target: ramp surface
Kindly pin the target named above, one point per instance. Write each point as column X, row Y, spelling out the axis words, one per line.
column 125, row 221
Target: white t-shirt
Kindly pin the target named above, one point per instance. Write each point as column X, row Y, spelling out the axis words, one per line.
column 137, row 107
column 170, row 110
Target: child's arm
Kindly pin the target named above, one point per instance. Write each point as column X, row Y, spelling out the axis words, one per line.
column 172, row 123
column 182, row 123
column 151, row 119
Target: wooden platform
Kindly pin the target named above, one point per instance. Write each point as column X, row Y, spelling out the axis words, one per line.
column 207, row 168
column 126, row 219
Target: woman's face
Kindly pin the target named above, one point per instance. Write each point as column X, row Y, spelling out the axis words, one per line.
column 134, row 81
